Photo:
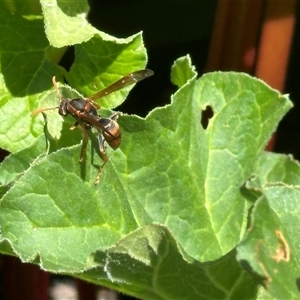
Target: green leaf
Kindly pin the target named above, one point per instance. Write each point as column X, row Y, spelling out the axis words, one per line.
column 79, row 216
column 182, row 71
column 271, row 247
column 28, row 8
column 271, row 167
column 6, row 248
column 15, row 164
column 168, row 170
column 102, row 62
column 263, row 294
column 188, row 178
column 25, row 51
column 72, row 28
column 147, row 264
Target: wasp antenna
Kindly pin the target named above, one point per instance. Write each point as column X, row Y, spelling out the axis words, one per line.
column 35, row 112
column 56, row 88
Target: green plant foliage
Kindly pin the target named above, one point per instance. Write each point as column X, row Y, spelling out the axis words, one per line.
column 270, row 248
column 172, row 206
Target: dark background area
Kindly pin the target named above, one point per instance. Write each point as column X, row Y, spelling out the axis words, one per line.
column 172, row 29
column 288, row 139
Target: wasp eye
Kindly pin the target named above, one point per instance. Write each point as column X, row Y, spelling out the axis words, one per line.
column 63, row 109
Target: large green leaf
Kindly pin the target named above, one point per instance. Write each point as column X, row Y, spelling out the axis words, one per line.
column 270, row 168
column 169, row 170
column 270, row 249
column 72, row 28
column 148, row 265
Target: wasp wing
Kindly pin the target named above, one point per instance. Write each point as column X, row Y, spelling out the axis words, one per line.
column 125, row 81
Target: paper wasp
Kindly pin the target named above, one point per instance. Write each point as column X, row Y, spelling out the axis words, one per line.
column 84, row 111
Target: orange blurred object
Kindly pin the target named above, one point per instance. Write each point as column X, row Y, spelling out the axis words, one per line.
column 253, row 36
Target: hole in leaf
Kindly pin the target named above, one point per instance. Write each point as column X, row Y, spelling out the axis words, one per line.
column 206, row 115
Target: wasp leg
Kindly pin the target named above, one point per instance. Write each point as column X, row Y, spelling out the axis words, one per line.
column 74, row 126
column 56, row 88
column 115, row 116
column 39, row 110
column 103, row 155
column 84, row 141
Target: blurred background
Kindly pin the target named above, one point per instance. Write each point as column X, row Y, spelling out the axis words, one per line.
column 260, row 37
